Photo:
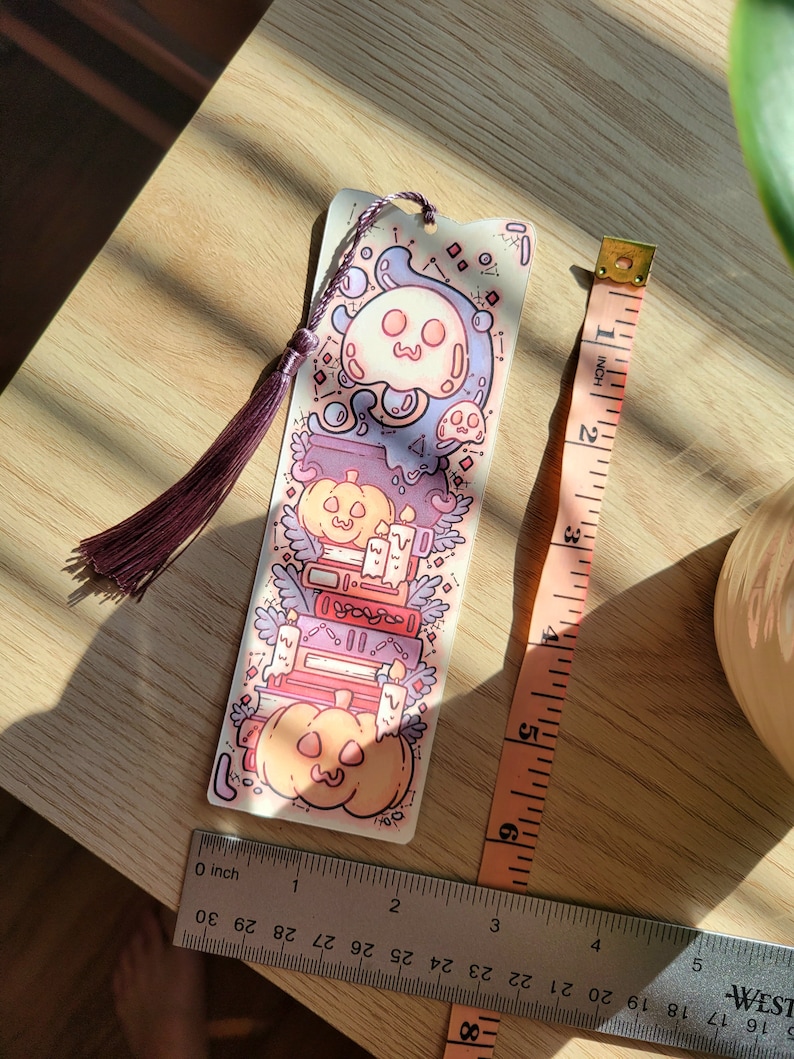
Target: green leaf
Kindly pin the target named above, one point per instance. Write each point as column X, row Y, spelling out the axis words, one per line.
column 761, row 79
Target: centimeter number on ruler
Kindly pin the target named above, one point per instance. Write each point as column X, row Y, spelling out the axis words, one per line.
column 501, row 951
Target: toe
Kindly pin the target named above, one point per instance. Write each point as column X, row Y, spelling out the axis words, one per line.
column 167, row 922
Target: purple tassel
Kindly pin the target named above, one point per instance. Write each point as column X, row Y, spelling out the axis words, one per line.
column 139, row 549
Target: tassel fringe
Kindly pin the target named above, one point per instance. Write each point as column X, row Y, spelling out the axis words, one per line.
column 136, row 551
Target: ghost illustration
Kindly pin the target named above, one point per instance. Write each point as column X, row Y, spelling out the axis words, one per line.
column 461, row 423
column 409, row 345
column 415, row 355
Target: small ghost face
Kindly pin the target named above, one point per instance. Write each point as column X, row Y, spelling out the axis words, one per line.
column 331, row 758
column 410, row 339
column 461, row 423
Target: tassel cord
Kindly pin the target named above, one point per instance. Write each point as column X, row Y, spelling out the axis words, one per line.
column 365, row 222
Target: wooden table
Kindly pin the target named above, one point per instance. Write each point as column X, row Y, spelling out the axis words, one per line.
column 587, row 119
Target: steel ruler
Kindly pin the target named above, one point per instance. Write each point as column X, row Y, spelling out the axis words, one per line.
column 493, row 949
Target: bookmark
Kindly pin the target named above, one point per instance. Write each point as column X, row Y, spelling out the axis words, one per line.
column 390, row 432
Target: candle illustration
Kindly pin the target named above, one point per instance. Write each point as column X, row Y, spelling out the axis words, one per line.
column 400, row 540
column 283, row 661
column 392, row 702
column 377, row 553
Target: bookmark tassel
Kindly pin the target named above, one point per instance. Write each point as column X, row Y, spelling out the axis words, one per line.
column 137, row 550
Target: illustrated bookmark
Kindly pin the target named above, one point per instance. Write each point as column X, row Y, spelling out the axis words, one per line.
column 339, row 680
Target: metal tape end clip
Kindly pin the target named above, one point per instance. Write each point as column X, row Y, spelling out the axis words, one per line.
column 623, row 261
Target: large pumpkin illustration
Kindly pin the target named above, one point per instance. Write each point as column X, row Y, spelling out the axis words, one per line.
column 331, row 758
column 344, row 512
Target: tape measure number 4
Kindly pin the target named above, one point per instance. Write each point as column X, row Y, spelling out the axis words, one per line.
column 501, row 951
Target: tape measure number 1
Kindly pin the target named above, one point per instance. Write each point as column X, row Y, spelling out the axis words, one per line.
column 613, row 309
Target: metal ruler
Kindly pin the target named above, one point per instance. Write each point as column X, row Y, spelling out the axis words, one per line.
column 499, row 951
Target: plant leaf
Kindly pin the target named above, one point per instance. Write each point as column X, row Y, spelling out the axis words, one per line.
column 305, row 546
column 761, row 80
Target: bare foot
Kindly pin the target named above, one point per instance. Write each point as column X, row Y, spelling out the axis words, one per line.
column 159, row 991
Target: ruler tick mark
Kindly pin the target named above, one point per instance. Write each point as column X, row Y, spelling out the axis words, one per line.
column 605, row 345
column 587, row 445
column 511, row 844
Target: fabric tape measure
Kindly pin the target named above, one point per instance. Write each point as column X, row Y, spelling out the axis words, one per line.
column 670, row 985
column 493, row 949
column 613, row 309
column 534, row 718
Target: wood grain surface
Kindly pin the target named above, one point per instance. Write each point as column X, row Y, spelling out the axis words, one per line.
column 586, row 119
column 65, row 917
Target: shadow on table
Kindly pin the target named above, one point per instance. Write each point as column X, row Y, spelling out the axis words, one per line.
column 688, row 801
column 686, row 806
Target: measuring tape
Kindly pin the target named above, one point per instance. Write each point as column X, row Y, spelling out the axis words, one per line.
column 613, row 308
column 496, row 950
column 534, row 717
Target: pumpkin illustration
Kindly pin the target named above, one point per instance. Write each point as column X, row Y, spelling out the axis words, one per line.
column 344, row 512
column 331, row 758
